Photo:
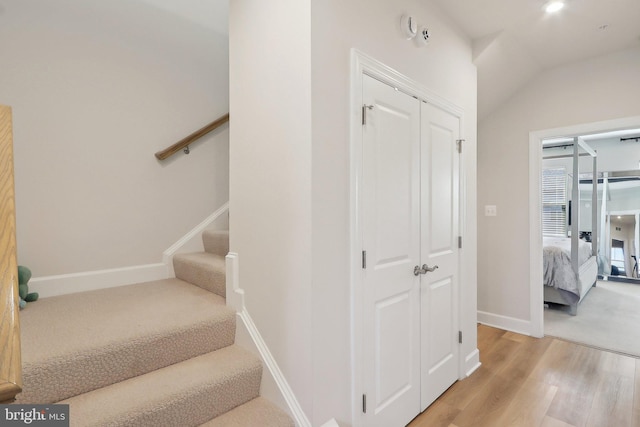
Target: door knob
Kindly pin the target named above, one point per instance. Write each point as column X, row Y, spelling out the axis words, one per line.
column 417, row 270
column 428, row 269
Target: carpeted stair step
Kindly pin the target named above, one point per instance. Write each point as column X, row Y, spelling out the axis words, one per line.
column 202, row 269
column 216, row 242
column 257, row 412
column 75, row 343
column 185, row 394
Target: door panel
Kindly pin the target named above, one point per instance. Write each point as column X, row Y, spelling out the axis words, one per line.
column 394, row 167
column 394, row 367
column 391, row 236
column 439, row 246
column 441, row 201
column 442, row 346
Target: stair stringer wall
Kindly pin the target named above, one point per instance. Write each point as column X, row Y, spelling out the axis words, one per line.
column 274, row 386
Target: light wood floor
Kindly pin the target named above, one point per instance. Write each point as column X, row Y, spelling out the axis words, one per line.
column 546, row 382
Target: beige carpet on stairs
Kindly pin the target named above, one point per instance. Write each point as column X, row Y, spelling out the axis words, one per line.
column 247, row 414
column 608, row 318
column 174, row 396
column 75, row 343
column 160, row 353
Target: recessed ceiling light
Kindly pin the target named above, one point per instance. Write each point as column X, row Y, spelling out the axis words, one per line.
column 553, row 6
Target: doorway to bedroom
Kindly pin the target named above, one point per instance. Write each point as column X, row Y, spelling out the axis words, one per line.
column 599, row 204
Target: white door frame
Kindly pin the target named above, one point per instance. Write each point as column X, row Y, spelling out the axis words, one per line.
column 536, row 297
column 362, row 64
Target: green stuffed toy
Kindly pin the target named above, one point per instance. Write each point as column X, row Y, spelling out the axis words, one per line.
column 24, row 275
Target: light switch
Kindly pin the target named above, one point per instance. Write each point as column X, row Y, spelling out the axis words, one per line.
column 490, row 210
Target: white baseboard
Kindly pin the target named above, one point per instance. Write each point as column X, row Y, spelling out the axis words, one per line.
column 268, row 386
column 192, row 241
column 512, row 324
column 472, row 362
column 274, row 385
column 49, row 286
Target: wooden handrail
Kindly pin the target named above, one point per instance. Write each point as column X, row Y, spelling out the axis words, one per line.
column 10, row 358
column 169, row 151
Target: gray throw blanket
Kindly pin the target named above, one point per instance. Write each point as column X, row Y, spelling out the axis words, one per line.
column 559, row 274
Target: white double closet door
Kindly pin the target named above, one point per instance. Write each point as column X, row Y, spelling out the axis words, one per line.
column 410, row 217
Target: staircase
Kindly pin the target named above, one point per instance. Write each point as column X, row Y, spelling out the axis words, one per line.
column 159, row 353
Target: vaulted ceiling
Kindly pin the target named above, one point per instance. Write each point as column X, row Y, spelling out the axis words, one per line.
column 514, row 40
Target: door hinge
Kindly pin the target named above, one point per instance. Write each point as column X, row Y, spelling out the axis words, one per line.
column 459, row 242
column 459, row 145
column 364, row 113
column 364, row 259
column 364, row 403
column 459, row 337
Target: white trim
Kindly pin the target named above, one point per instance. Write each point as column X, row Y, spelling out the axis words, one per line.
column 507, row 323
column 295, row 409
column 536, row 328
column 192, row 241
column 472, row 362
column 235, row 299
column 365, row 64
column 463, row 368
column 50, row 286
column 362, row 64
column 536, row 311
column 355, row 238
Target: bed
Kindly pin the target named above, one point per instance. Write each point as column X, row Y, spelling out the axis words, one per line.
column 561, row 286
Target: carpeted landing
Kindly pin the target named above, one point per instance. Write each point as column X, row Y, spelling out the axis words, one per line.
column 608, row 318
column 160, row 353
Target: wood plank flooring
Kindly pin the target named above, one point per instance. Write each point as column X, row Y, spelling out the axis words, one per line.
column 530, row 382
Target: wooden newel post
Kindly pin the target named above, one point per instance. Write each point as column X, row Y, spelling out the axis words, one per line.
column 10, row 358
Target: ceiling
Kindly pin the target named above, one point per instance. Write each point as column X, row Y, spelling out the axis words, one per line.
column 211, row 14
column 514, row 40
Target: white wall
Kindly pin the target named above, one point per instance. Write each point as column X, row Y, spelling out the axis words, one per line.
column 589, row 91
column 270, row 177
column 624, row 199
column 96, row 89
column 290, row 172
column 614, row 155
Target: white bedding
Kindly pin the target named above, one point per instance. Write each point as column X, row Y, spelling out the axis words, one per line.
column 564, row 243
column 558, row 272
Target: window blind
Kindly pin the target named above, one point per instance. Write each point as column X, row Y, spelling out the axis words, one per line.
column 554, row 202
